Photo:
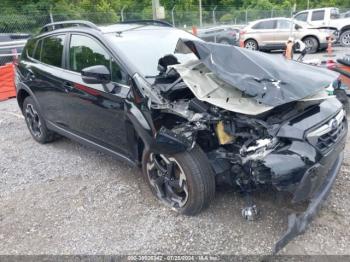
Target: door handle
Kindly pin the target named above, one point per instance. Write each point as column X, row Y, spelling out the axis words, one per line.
column 68, row 86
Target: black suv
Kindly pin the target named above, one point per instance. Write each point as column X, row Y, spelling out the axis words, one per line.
column 192, row 114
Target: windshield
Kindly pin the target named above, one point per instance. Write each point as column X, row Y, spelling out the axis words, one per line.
column 143, row 47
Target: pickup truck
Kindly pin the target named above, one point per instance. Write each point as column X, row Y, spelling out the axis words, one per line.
column 330, row 18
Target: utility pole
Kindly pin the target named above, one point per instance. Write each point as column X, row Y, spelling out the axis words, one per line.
column 122, row 13
column 172, row 15
column 214, row 18
column 155, row 6
column 51, row 18
column 200, row 13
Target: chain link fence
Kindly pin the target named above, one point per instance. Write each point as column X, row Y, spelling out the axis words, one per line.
column 16, row 28
column 30, row 23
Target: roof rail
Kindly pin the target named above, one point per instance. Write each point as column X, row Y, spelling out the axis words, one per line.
column 61, row 24
column 147, row 22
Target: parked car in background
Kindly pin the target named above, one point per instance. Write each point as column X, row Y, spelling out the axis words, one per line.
column 11, row 44
column 273, row 33
column 328, row 18
column 223, row 34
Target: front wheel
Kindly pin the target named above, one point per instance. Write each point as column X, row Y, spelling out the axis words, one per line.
column 344, row 38
column 184, row 181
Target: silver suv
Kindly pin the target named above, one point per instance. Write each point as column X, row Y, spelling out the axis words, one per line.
column 272, row 34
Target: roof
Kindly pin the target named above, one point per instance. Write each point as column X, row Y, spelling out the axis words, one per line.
column 119, row 27
column 128, row 27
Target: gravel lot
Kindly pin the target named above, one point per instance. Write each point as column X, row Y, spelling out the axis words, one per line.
column 63, row 198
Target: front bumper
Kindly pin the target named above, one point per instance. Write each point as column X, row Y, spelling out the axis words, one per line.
column 315, row 185
column 298, row 224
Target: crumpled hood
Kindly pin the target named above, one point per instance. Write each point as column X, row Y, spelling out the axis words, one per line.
column 270, row 80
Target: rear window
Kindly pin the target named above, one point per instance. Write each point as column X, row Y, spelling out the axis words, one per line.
column 301, row 17
column 52, row 50
column 317, row 15
column 37, row 50
column 283, row 24
column 271, row 24
column 29, row 49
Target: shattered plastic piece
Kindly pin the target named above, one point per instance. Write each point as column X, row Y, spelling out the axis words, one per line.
column 259, row 143
column 298, row 224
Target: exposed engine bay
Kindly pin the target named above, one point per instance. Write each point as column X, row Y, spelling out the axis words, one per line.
column 267, row 135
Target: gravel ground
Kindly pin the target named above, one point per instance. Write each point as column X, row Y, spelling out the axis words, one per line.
column 63, row 198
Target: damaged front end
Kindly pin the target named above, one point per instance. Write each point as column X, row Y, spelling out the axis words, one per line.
column 258, row 125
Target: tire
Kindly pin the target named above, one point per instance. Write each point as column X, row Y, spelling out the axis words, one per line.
column 311, row 44
column 343, row 98
column 199, row 180
column 35, row 122
column 251, row 44
column 344, row 38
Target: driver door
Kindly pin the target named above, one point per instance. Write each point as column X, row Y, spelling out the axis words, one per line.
column 92, row 111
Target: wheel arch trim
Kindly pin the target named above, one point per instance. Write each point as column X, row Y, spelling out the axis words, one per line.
column 23, row 88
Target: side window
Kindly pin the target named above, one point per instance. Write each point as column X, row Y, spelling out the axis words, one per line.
column 52, row 50
column 85, row 51
column 301, row 17
column 335, row 14
column 283, row 24
column 270, row 24
column 257, row 26
column 317, row 15
column 37, row 50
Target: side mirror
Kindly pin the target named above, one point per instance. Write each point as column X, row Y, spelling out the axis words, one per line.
column 98, row 74
column 297, row 27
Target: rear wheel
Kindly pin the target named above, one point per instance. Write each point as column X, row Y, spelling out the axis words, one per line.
column 344, row 38
column 251, row 44
column 311, row 44
column 36, row 123
column 184, row 181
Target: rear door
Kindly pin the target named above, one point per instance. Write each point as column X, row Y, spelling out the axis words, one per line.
column 94, row 112
column 283, row 31
column 44, row 73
